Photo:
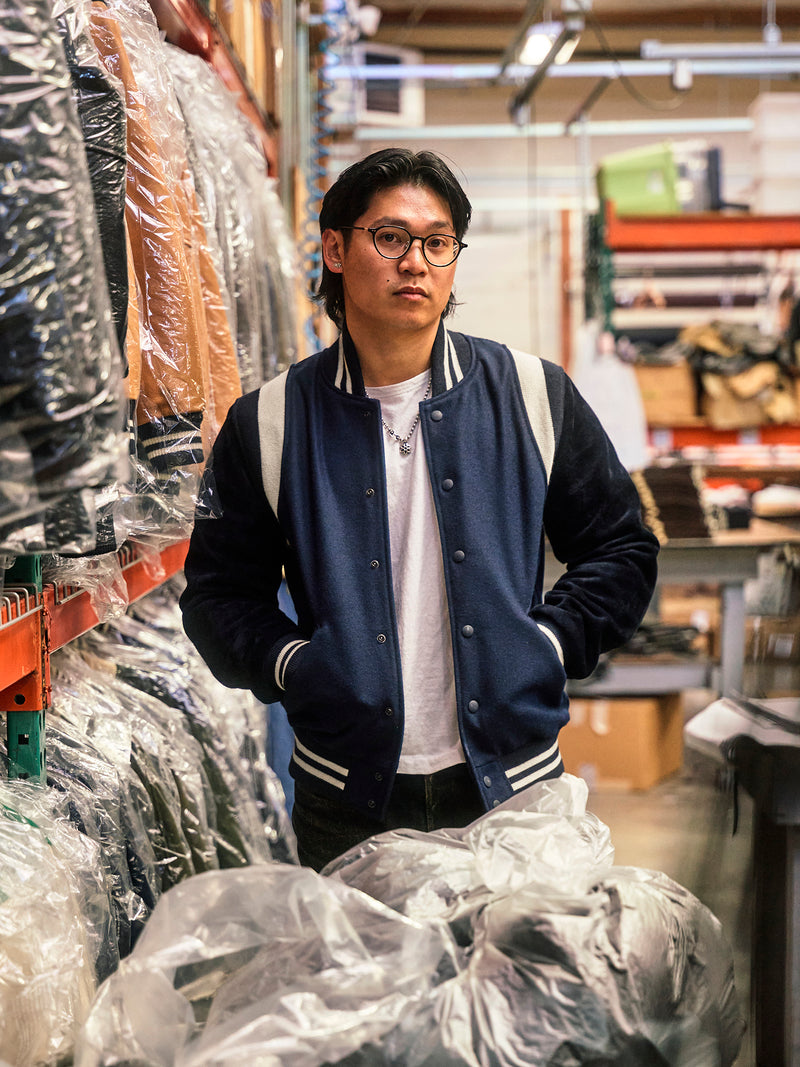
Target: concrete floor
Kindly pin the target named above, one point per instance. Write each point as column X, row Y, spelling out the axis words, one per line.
column 683, row 827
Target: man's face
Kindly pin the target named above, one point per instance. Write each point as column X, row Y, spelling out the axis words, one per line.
column 396, row 294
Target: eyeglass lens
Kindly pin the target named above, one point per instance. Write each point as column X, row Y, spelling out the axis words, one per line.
column 394, row 241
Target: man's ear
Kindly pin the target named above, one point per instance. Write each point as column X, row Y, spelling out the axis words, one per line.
column 332, row 250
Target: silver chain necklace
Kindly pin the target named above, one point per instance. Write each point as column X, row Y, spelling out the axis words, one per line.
column 405, row 447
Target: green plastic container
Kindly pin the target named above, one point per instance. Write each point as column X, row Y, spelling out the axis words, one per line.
column 641, row 181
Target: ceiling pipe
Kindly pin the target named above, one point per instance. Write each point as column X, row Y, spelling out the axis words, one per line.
column 603, row 128
column 583, row 109
column 650, row 49
column 459, row 73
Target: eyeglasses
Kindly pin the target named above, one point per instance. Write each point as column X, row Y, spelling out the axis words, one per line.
column 392, row 242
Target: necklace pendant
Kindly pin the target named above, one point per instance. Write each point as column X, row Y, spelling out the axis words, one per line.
column 405, row 448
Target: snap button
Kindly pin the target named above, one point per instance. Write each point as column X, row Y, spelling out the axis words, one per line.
column 459, row 556
column 378, row 777
column 467, row 631
column 374, row 564
column 381, row 639
column 436, row 416
column 370, row 803
column 388, row 712
column 370, row 492
column 447, row 484
column 487, row 780
column 473, row 706
column 495, row 803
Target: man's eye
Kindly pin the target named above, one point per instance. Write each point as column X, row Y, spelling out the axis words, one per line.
column 389, row 237
column 437, row 244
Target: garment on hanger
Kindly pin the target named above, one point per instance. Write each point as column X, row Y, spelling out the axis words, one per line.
column 238, row 720
column 182, row 323
column 256, row 249
column 62, row 429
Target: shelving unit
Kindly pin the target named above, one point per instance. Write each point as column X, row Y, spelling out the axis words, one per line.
column 701, row 232
column 36, row 619
column 726, row 560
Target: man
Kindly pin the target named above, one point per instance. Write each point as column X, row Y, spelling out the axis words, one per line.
column 404, row 480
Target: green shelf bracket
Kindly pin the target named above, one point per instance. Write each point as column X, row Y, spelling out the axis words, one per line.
column 27, row 701
column 26, row 570
column 26, row 744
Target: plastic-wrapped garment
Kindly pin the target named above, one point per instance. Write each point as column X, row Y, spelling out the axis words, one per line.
column 168, row 764
column 573, row 962
column 540, row 838
column 147, row 661
column 101, row 111
column 183, row 325
column 61, row 400
column 54, row 918
column 258, row 254
column 273, row 966
column 95, row 717
column 239, row 720
column 97, row 801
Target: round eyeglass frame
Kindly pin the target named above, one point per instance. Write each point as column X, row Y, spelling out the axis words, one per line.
column 412, row 237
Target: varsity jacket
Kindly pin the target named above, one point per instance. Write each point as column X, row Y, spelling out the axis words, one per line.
column 296, row 484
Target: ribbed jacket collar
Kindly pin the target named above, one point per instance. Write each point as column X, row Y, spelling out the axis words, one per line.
column 450, row 360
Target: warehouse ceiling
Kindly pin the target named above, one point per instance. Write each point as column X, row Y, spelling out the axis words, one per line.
column 481, row 30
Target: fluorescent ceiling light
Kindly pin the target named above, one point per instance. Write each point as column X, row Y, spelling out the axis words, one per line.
column 540, row 39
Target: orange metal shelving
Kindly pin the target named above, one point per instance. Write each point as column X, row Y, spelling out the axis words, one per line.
column 711, row 232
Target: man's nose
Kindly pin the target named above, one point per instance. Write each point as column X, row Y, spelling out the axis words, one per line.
column 420, row 254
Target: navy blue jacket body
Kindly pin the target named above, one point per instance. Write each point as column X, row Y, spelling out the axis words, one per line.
column 296, row 484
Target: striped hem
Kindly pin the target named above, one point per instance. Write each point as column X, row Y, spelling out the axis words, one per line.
column 324, row 769
column 535, row 769
column 284, row 656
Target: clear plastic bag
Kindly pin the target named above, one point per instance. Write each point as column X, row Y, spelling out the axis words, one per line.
column 64, row 437
column 55, row 916
column 265, row 965
column 512, row 941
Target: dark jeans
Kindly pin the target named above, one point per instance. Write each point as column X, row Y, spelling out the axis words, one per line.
column 326, row 827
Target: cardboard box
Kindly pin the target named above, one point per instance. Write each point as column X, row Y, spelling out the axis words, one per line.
column 624, row 743
column 773, row 639
column 678, row 607
column 669, row 394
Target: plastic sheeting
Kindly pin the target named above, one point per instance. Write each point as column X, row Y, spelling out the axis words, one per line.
column 514, row 941
column 257, row 256
column 63, row 436
column 55, row 919
column 133, row 692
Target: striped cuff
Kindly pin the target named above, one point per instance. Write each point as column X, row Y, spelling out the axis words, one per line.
column 284, row 657
column 545, row 765
column 171, row 442
column 551, row 637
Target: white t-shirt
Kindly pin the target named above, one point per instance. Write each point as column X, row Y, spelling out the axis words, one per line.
column 430, row 738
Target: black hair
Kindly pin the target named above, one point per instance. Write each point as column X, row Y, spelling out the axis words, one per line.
column 350, row 195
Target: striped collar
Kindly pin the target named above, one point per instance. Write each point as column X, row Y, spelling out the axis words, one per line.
column 450, row 360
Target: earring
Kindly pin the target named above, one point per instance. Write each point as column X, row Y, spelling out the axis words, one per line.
column 337, row 265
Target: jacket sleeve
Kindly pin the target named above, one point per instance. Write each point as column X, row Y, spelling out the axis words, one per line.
column 594, row 524
column 234, row 565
